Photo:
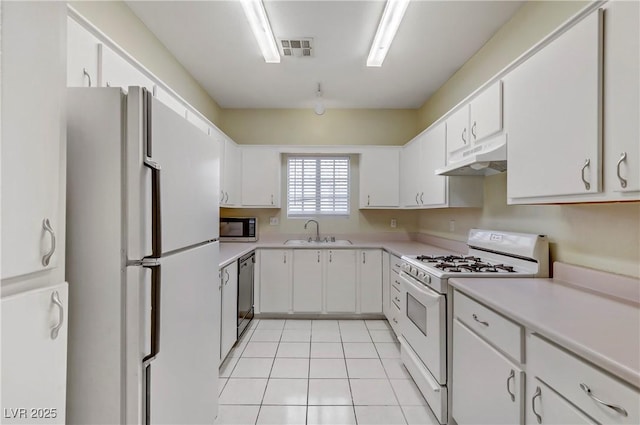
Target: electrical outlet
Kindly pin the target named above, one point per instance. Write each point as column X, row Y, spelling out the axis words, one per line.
column 274, row 221
column 394, row 223
column 452, row 225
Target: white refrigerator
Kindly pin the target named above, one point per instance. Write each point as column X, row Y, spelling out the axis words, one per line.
column 142, row 262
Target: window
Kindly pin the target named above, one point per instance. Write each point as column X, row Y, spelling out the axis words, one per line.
column 317, row 186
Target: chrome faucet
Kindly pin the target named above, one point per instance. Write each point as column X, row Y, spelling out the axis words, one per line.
column 317, row 229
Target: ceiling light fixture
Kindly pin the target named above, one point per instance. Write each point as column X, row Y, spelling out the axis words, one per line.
column 257, row 16
column 389, row 23
column 319, row 107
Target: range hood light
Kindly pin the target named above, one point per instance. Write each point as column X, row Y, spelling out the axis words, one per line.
column 479, row 165
column 257, row 17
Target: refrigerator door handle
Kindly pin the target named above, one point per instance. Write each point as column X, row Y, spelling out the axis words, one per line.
column 156, row 273
column 156, row 208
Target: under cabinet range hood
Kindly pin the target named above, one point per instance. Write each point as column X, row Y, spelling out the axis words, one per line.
column 483, row 159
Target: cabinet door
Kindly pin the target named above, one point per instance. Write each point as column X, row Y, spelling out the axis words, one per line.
column 370, row 281
column 275, row 281
column 33, row 126
column 545, row 406
column 229, row 308
column 116, row 71
column 458, row 135
column 487, row 388
column 486, row 113
column 380, row 177
column 231, row 173
column 307, row 281
column 341, row 281
column 34, row 355
column 433, row 191
column 622, row 96
column 410, row 174
column 553, row 116
column 260, row 177
column 82, row 56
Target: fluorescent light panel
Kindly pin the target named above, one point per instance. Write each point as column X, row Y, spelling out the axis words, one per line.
column 257, row 16
column 389, row 23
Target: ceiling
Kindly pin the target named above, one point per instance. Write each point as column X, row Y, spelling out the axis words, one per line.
column 213, row 41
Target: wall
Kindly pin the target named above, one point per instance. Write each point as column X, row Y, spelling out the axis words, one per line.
column 118, row 22
column 601, row 236
column 335, row 127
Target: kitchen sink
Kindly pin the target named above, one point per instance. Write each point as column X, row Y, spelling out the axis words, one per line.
column 306, row 242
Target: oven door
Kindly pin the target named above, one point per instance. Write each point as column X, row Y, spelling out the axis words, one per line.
column 424, row 325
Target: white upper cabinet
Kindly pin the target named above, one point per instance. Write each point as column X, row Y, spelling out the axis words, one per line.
column 82, row 56
column 116, row 71
column 410, row 173
column 433, row 188
column 553, row 117
column 486, row 113
column 260, row 177
column 458, row 129
column 230, row 175
column 33, row 136
column 380, row 177
column 622, row 99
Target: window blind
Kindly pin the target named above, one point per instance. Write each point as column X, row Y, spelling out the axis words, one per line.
column 317, row 186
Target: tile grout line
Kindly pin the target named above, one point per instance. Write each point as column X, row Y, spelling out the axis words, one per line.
column 269, row 376
column 353, row 403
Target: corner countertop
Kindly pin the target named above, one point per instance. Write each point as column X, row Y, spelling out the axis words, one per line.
column 231, row 251
column 602, row 329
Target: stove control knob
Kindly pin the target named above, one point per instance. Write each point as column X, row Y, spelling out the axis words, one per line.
column 422, row 275
column 404, row 267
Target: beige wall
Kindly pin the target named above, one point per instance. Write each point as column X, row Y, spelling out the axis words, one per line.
column 335, row 127
column 118, row 22
column 601, row 236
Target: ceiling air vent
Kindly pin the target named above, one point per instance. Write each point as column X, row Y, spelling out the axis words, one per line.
column 296, row 47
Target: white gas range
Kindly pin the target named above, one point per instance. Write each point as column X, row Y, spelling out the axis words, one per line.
column 426, row 305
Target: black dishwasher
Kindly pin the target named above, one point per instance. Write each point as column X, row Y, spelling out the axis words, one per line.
column 245, row 291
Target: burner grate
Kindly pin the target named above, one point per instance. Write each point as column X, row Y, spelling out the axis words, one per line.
column 460, row 263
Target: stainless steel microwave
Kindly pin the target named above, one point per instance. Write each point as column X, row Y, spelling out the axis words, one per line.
column 238, row 229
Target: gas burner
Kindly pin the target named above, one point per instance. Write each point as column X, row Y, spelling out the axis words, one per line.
column 447, row 259
column 468, row 264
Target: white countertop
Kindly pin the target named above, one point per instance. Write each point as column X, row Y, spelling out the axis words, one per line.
column 602, row 329
column 231, row 251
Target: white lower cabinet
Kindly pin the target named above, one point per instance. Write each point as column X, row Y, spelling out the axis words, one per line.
column 386, row 265
column 229, row 309
column 550, row 408
column 307, row 280
column 341, row 281
column 487, row 387
column 34, row 355
column 275, row 280
column 370, row 278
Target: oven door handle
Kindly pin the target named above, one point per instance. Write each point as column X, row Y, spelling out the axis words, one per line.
column 432, row 297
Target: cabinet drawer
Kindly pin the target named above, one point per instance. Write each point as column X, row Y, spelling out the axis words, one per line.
column 496, row 329
column 395, row 282
column 395, row 296
column 567, row 374
column 396, row 262
column 395, row 315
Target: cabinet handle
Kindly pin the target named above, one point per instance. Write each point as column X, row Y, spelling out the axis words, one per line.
column 464, row 136
column 537, row 394
column 397, row 299
column 226, row 197
column 222, row 196
column 226, row 272
column 618, row 409
column 422, row 198
column 473, row 131
column 285, row 258
column 55, row 298
column 318, row 256
column 417, row 194
column 47, row 257
column 330, row 256
column 368, row 200
column 512, row 375
column 623, row 158
column 482, row 322
column 272, row 199
column 108, row 84
column 86, row 74
column 364, row 257
column 395, row 321
column 587, row 185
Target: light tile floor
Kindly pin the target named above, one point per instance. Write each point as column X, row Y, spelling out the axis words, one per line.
column 319, row 372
